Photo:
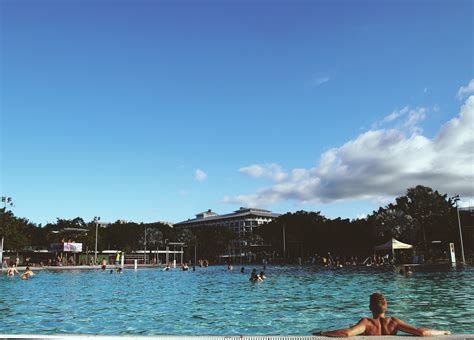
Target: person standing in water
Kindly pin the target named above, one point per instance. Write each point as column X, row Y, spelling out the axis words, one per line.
column 12, row 270
column 117, row 259
column 381, row 325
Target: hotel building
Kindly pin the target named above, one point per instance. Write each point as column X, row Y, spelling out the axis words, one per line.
column 242, row 222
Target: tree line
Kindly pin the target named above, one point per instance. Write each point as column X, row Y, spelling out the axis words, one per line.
column 419, row 217
column 422, row 217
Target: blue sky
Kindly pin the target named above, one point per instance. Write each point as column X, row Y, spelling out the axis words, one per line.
column 157, row 110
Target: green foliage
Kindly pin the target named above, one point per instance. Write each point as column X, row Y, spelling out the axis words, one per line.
column 211, row 241
column 309, row 233
column 391, row 221
column 131, row 236
column 419, row 217
column 431, row 212
column 18, row 232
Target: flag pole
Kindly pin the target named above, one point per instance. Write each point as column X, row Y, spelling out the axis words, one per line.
column 1, row 252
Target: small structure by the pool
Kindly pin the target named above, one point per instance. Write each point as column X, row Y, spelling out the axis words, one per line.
column 392, row 245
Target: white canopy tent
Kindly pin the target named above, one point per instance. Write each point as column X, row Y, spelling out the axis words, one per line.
column 392, row 245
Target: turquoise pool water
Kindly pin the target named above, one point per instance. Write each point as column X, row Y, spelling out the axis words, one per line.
column 293, row 300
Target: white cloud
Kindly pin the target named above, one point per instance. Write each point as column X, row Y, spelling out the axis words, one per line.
column 412, row 117
column 380, row 164
column 465, row 90
column 272, row 171
column 200, row 175
column 393, row 116
column 319, row 81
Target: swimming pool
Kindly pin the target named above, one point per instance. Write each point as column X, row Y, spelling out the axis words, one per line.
column 213, row 301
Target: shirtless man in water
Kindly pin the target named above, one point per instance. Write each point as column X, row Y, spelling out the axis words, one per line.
column 381, row 325
column 12, row 270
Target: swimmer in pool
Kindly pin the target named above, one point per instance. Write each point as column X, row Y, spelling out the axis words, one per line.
column 27, row 274
column 406, row 271
column 381, row 325
column 255, row 278
column 12, row 270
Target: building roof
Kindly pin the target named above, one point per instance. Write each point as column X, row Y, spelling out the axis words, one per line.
column 242, row 212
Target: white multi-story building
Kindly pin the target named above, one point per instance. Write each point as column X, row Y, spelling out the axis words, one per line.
column 242, row 222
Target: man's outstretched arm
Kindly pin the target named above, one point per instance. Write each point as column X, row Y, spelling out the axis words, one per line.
column 433, row 332
column 357, row 329
column 404, row 327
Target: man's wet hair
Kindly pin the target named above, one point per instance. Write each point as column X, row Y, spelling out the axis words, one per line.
column 378, row 303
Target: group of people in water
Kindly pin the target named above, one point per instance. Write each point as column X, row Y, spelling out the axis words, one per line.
column 12, row 270
column 185, row 267
column 254, row 277
column 342, row 261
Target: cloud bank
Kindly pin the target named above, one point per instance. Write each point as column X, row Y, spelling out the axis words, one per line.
column 379, row 164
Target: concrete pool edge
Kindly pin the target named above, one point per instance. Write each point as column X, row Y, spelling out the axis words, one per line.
column 210, row 337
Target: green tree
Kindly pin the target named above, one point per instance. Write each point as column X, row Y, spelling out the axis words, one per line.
column 394, row 222
column 16, row 231
column 211, row 240
column 432, row 213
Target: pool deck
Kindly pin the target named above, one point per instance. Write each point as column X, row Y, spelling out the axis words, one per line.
column 211, row 337
column 98, row 267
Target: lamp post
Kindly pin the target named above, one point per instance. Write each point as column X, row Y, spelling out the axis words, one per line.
column 195, row 252
column 456, row 199
column 284, row 242
column 1, row 253
column 7, row 201
column 96, row 221
column 144, row 253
